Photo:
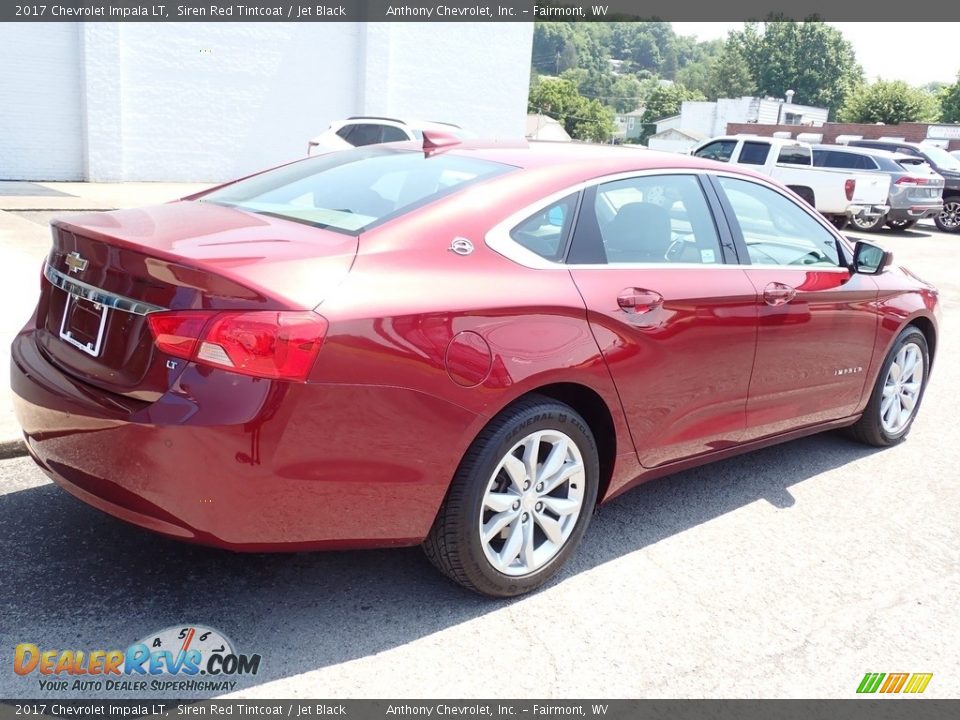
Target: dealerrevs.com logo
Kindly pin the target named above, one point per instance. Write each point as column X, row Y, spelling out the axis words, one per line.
column 183, row 658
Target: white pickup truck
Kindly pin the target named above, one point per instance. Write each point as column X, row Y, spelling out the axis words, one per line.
column 838, row 194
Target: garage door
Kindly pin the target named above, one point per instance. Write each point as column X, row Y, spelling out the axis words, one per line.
column 41, row 133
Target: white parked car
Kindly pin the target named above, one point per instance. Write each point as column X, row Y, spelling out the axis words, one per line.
column 838, row 194
column 358, row 131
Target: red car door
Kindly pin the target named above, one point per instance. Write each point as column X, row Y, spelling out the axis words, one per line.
column 672, row 312
column 817, row 321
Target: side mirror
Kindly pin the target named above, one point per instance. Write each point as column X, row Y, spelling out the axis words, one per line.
column 870, row 259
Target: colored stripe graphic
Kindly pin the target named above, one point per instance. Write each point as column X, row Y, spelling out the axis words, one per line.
column 918, row 683
column 894, row 683
column 870, row 682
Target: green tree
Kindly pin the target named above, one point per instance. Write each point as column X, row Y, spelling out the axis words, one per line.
column 730, row 75
column 891, row 102
column 811, row 58
column 950, row 102
column 666, row 101
column 594, row 122
column 662, row 103
column 582, row 118
column 627, row 91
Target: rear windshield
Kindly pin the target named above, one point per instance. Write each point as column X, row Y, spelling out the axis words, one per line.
column 353, row 190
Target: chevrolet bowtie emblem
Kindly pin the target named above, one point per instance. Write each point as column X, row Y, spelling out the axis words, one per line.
column 76, row 263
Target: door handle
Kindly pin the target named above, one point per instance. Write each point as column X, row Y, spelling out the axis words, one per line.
column 637, row 301
column 778, row 294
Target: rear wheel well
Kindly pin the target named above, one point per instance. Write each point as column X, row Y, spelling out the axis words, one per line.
column 925, row 325
column 595, row 411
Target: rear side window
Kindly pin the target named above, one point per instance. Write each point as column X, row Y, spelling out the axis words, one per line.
column 843, row 160
column 721, row 150
column 544, row 233
column 794, row 155
column 354, row 190
column 754, row 153
column 364, row 134
column 393, row 134
column 345, row 131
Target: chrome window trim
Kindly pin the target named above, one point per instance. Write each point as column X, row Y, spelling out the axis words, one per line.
column 78, row 288
column 498, row 237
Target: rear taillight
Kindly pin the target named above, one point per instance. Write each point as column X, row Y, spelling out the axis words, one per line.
column 849, row 186
column 907, row 180
column 262, row 343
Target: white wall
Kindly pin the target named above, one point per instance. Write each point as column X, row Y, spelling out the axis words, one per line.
column 212, row 101
column 41, row 124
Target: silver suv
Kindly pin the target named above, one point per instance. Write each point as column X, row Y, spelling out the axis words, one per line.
column 915, row 189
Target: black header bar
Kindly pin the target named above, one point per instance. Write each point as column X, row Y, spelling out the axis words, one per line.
column 461, row 11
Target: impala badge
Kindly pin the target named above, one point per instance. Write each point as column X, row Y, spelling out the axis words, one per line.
column 76, row 263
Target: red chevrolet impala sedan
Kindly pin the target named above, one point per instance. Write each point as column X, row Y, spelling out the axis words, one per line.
column 458, row 345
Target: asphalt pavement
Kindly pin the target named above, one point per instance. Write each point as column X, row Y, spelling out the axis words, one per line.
column 789, row 572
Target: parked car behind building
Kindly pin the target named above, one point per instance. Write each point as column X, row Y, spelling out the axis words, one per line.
column 359, row 131
column 915, row 189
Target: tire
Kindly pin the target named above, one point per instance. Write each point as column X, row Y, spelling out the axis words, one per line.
column 838, row 221
column 949, row 219
column 872, row 428
column 482, row 490
column 901, row 224
column 867, row 224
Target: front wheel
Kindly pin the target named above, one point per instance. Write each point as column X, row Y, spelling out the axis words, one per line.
column 520, row 500
column 949, row 218
column 897, row 393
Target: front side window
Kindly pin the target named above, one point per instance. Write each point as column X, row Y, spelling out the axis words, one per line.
column 776, row 230
column 720, row 150
column 544, row 232
column 353, row 190
column 652, row 219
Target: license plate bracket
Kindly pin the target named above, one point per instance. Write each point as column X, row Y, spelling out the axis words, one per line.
column 83, row 324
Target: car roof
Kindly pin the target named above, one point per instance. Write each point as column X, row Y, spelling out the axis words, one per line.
column 870, row 152
column 418, row 124
column 587, row 159
column 899, row 143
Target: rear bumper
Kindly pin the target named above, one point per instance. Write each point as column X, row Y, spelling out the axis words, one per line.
column 246, row 464
column 915, row 212
column 867, row 211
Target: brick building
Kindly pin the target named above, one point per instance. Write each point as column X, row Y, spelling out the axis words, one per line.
column 945, row 136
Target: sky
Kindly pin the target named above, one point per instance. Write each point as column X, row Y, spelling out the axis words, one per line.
column 917, row 53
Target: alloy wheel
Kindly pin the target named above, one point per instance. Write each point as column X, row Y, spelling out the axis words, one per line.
column 532, row 502
column 949, row 218
column 901, row 389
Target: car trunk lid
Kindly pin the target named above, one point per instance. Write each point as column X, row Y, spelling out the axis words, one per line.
column 107, row 271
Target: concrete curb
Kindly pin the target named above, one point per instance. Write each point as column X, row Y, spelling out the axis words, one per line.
column 12, row 448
